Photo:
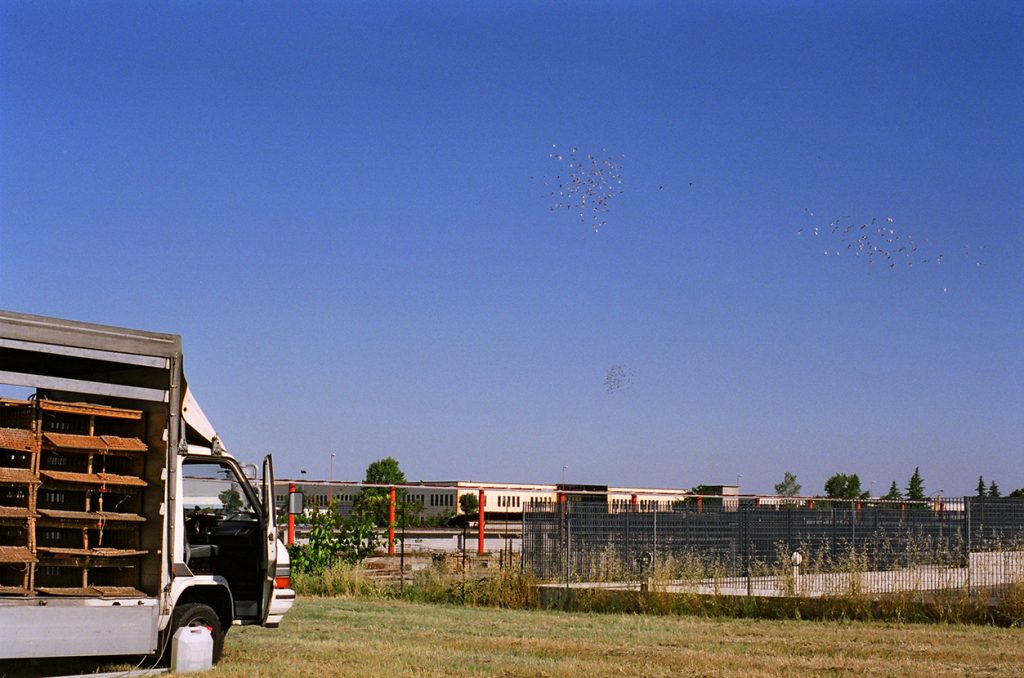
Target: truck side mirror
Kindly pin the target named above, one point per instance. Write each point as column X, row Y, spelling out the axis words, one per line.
column 295, row 503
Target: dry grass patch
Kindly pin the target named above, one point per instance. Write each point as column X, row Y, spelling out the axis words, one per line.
column 353, row 637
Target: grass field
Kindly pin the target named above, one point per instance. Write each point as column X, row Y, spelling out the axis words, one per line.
column 356, row 637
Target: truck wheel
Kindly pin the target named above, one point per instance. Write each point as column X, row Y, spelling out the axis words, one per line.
column 197, row 614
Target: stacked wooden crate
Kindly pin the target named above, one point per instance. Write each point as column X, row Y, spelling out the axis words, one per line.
column 19, row 454
column 71, row 482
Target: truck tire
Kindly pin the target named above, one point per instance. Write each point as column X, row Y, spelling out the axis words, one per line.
column 197, row 614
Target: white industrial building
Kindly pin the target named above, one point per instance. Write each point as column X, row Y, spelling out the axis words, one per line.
column 440, row 498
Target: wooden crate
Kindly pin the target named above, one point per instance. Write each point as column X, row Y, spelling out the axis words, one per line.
column 70, row 498
column 18, row 483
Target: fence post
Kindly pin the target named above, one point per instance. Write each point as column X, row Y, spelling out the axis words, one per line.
column 854, row 509
column 291, row 515
column 522, row 542
column 464, row 561
column 480, row 527
column 628, row 564
column 654, row 548
column 834, row 536
column 745, row 531
column 401, row 558
column 967, row 543
column 568, row 528
column 563, row 547
column 391, row 521
column 789, row 530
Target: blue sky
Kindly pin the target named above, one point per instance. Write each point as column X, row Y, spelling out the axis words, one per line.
column 342, row 207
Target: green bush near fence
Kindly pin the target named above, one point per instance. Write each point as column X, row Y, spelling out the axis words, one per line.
column 513, row 589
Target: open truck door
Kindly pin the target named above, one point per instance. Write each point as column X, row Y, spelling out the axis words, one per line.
column 269, row 539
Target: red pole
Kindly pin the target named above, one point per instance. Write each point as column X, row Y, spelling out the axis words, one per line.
column 480, row 527
column 291, row 516
column 634, row 502
column 810, row 503
column 700, row 504
column 391, row 522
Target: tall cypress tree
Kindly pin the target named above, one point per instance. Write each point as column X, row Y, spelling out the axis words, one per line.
column 894, row 493
column 981, row 486
column 915, row 489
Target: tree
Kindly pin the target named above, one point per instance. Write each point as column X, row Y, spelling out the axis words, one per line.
column 373, row 501
column 358, row 538
column 231, row 500
column 1018, row 493
column 333, row 538
column 993, row 490
column 469, row 504
column 981, row 486
column 915, row 488
column 843, row 486
column 385, row 472
column 704, row 490
column 322, row 547
column 789, row 487
column 894, row 493
column 707, row 489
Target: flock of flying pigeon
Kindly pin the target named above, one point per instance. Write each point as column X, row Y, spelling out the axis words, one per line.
column 880, row 243
column 586, row 186
column 616, row 378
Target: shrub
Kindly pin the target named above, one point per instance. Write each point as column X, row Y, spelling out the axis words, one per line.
column 333, row 538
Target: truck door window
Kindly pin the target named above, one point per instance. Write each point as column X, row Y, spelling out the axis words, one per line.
column 214, row 494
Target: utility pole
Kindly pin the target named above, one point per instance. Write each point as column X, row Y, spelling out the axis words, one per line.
column 330, row 483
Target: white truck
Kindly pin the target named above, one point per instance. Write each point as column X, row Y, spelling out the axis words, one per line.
column 122, row 516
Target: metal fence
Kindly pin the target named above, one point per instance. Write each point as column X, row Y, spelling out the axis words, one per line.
column 810, row 548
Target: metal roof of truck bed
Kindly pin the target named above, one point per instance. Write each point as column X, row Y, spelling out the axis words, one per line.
column 77, row 357
column 73, row 334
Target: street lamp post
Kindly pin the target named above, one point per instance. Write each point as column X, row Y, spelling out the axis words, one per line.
column 564, row 469
column 330, row 479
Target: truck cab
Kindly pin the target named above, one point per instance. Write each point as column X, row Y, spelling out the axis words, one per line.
column 122, row 515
